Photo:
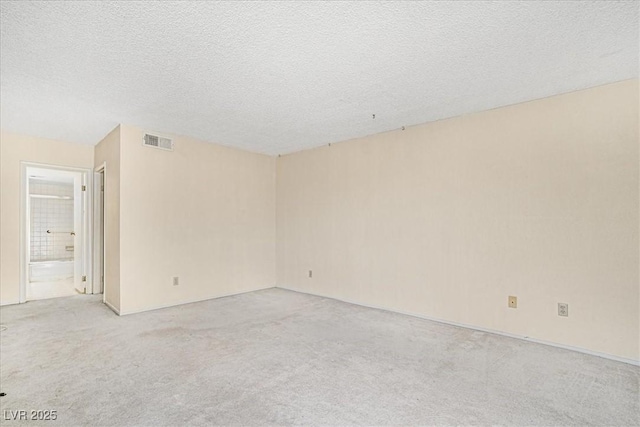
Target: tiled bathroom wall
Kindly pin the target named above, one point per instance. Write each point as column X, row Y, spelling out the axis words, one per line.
column 54, row 213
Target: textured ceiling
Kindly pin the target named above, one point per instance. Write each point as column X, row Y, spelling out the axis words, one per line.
column 280, row 77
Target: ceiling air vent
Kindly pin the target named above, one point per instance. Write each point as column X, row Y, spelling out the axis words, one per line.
column 156, row 141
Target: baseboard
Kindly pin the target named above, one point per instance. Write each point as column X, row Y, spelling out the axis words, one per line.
column 128, row 312
column 478, row 328
column 10, row 302
column 115, row 310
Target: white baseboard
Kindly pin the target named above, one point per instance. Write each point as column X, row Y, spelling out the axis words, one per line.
column 115, row 310
column 191, row 301
column 478, row 328
column 10, row 302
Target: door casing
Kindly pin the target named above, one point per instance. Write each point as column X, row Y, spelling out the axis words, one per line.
column 87, row 223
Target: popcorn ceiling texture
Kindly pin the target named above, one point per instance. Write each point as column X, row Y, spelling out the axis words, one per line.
column 281, row 77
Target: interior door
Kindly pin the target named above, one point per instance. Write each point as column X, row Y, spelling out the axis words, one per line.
column 98, row 236
column 79, row 191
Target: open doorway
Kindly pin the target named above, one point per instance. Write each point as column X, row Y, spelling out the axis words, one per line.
column 56, row 232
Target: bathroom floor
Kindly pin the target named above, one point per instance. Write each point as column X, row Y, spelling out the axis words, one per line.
column 52, row 289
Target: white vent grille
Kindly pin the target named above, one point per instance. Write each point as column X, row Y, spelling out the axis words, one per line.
column 156, row 141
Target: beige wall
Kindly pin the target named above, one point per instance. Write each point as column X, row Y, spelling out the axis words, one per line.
column 445, row 220
column 204, row 213
column 107, row 153
column 15, row 148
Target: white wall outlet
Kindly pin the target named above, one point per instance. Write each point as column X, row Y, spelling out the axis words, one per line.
column 176, row 281
column 563, row 309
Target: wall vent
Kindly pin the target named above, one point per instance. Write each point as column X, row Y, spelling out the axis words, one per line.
column 156, row 141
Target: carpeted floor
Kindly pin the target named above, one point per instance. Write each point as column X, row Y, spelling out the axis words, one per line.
column 281, row 357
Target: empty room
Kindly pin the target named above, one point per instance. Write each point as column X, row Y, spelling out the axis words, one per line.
column 379, row 213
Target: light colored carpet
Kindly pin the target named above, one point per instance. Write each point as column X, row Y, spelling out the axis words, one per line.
column 281, row 357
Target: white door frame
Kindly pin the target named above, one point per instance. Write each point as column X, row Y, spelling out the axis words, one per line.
column 87, row 244
column 99, row 233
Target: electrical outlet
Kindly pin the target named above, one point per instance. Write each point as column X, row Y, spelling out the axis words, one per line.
column 563, row 309
column 176, row 281
column 513, row 302
column 310, row 274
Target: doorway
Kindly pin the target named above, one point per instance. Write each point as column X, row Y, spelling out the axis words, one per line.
column 55, row 232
